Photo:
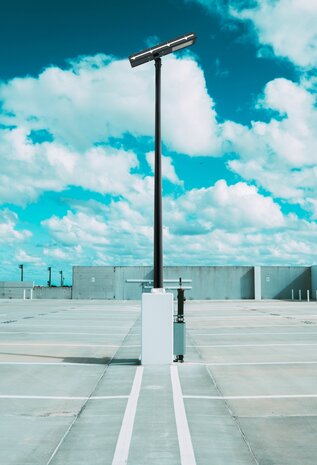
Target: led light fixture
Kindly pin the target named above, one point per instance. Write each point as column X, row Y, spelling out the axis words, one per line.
column 163, row 49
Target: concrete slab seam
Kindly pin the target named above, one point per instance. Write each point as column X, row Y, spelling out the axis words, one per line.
column 234, row 418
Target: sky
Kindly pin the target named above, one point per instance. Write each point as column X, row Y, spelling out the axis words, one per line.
column 239, row 134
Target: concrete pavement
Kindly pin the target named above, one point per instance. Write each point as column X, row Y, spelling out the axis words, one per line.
column 72, row 390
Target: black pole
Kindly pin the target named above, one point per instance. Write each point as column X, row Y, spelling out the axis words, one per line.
column 49, row 276
column 21, row 268
column 158, row 241
column 61, row 273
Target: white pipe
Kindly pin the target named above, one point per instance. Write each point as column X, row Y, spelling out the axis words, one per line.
column 31, row 294
column 292, row 294
column 23, row 294
column 308, row 299
column 300, row 295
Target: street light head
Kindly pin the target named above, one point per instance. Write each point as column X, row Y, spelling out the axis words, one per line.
column 160, row 50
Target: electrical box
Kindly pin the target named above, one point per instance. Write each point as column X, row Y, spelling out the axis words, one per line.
column 179, row 338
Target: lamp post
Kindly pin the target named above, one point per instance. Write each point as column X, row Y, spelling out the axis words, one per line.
column 155, row 53
column 62, row 279
column 49, row 282
column 21, row 268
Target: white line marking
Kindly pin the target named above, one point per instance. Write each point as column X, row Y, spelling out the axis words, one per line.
column 184, row 439
column 293, row 333
column 124, row 439
column 103, row 334
column 5, row 396
column 294, row 325
column 249, row 363
column 255, row 345
column 60, row 345
column 55, row 363
column 279, row 396
column 72, row 325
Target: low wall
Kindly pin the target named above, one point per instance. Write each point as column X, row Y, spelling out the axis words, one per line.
column 40, row 292
column 277, row 282
column 208, row 282
column 15, row 290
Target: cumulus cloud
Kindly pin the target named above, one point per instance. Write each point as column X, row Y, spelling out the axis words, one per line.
column 280, row 155
column 108, row 232
column 287, row 27
column 200, row 226
column 8, row 231
column 223, row 207
column 25, row 257
column 168, row 170
column 57, row 129
column 29, row 169
column 99, row 98
column 78, row 228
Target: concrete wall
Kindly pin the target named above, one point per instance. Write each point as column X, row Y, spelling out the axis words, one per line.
column 15, row 290
column 94, row 282
column 277, row 282
column 314, row 282
column 208, row 282
column 40, row 292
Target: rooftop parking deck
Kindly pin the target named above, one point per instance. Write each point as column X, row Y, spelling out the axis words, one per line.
column 72, row 390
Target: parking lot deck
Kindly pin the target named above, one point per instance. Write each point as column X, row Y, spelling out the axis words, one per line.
column 73, row 392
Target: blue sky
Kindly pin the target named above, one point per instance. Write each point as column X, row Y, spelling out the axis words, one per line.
column 76, row 134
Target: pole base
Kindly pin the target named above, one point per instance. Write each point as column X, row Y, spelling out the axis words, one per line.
column 157, row 328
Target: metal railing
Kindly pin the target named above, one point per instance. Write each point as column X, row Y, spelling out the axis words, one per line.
column 148, row 283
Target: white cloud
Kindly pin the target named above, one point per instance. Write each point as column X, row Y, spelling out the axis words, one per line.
column 99, row 97
column 168, row 170
column 63, row 253
column 221, row 224
column 78, row 228
column 24, row 257
column 288, row 26
column 8, row 231
column 280, row 155
column 29, row 169
column 225, row 207
column 96, row 99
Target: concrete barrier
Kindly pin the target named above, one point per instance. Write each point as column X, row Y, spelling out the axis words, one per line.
column 15, row 289
column 40, row 292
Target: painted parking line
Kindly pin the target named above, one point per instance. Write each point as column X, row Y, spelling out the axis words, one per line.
column 299, row 344
column 250, row 363
column 72, row 325
column 295, row 324
column 277, row 396
column 102, row 334
column 52, row 363
column 238, row 317
column 124, row 439
column 184, row 438
column 55, row 344
column 18, row 397
column 251, row 333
